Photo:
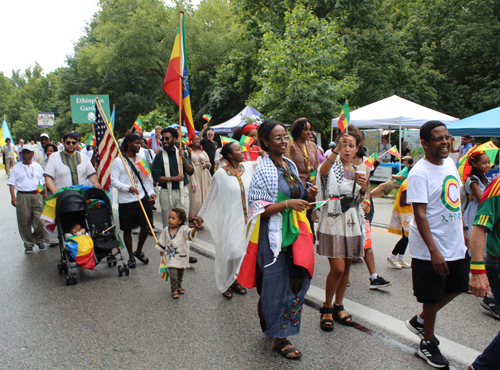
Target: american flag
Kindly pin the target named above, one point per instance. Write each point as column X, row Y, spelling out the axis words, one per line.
column 106, row 150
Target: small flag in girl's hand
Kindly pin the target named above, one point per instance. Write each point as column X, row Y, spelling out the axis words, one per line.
column 207, row 117
column 91, row 140
column 137, row 125
column 246, row 142
column 319, row 204
column 144, row 167
column 39, row 189
column 224, row 140
column 370, row 161
column 344, row 117
column 186, row 141
column 394, row 151
column 312, row 175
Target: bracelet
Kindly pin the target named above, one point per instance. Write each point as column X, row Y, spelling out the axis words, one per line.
column 466, row 228
column 367, row 201
column 168, row 179
column 477, row 267
column 333, row 151
column 286, row 203
column 329, row 160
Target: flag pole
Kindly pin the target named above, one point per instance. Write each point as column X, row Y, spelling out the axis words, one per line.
column 181, row 73
column 125, row 166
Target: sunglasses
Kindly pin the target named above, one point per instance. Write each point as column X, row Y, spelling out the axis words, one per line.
column 70, row 142
column 165, row 139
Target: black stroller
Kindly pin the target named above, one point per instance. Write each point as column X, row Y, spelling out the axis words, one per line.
column 71, row 208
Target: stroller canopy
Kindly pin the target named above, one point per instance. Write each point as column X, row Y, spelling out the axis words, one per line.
column 70, row 201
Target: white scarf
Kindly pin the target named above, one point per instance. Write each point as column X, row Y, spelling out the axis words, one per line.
column 166, row 168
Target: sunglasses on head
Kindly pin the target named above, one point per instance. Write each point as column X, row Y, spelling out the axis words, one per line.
column 70, row 142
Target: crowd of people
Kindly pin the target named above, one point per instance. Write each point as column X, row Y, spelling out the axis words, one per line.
column 254, row 209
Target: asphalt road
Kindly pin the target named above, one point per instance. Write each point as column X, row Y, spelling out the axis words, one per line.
column 107, row 322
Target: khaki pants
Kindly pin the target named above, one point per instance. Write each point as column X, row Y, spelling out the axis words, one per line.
column 28, row 210
column 9, row 163
column 176, row 202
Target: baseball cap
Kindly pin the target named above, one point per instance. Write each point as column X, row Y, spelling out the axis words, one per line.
column 28, row 147
column 467, row 136
column 45, row 135
column 332, row 145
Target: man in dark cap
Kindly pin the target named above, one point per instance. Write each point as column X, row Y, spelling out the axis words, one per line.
column 130, row 212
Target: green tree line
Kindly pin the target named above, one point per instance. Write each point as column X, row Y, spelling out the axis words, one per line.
column 286, row 58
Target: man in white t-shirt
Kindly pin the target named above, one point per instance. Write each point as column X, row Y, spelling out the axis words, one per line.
column 130, row 212
column 437, row 240
column 69, row 167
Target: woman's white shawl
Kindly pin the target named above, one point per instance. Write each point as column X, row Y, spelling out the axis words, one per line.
column 222, row 214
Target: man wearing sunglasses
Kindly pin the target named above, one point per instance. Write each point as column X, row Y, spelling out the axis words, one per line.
column 69, row 167
column 438, row 237
column 174, row 191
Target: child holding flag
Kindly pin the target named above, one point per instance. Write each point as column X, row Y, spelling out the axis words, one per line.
column 27, row 178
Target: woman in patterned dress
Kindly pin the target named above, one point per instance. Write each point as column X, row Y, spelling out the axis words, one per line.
column 199, row 182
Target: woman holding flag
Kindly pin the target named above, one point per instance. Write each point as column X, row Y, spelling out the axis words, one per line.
column 280, row 256
column 341, row 230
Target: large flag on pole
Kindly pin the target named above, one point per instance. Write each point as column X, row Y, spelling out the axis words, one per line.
column 106, row 149
column 177, row 68
column 5, row 133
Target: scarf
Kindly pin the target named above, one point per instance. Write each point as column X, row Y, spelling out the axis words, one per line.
column 72, row 162
column 166, row 168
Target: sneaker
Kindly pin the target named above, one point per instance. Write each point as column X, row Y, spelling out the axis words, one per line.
column 430, row 352
column 405, row 264
column 42, row 247
column 28, row 250
column 489, row 303
column 379, row 282
column 394, row 263
column 415, row 327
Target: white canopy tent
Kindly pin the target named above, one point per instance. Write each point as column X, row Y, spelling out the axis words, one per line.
column 238, row 120
column 395, row 112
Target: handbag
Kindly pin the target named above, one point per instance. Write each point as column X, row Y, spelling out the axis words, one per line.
column 346, row 202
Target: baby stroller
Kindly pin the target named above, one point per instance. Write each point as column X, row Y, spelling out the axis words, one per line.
column 71, row 208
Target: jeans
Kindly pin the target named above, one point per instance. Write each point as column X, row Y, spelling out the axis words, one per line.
column 490, row 358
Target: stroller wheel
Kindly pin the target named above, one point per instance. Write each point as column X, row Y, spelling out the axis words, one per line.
column 59, row 268
column 74, row 279
column 68, row 280
column 108, row 260
column 127, row 270
column 65, row 267
column 120, row 271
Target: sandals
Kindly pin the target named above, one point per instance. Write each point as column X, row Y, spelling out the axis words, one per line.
column 181, row 291
column 141, row 257
column 175, row 294
column 286, row 352
column 347, row 320
column 326, row 324
column 228, row 293
column 237, row 288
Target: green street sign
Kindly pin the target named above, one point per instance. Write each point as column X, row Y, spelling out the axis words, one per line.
column 83, row 108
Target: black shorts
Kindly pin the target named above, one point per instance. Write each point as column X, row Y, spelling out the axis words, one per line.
column 430, row 287
column 131, row 215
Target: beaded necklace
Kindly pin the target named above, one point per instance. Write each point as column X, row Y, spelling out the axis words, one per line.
column 291, row 180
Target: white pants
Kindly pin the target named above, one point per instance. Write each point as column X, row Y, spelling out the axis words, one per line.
column 176, row 202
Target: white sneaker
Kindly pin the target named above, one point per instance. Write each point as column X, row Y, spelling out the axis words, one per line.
column 404, row 264
column 394, row 263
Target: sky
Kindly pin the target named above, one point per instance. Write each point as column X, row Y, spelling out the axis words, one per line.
column 42, row 31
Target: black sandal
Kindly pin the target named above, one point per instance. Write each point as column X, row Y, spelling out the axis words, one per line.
column 237, row 288
column 228, row 293
column 347, row 320
column 285, row 352
column 141, row 257
column 326, row 324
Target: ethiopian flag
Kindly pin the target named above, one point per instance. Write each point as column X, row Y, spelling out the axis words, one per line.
column 394, row 151
column 163, row 271
column 178, row 69
column 39, row 189
column 186, row 141
column 246, row 142
column 225, row 140
column 246, row 275
column 81, row 249
column 144, row 167
column 91, row 140
column 207, row 117
column 371, row 161
column 137, row 125
column 344, row 117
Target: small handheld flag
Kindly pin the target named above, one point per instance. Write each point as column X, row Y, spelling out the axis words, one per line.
column 312, row 175
column 39, row 189
column 344, row 117
column 144, row 167
column 394, row 151
column 137, row 125
column 370, row 161
column 322, row 203
column 186, row 141
column 163, row 270
column 224, row 140
column 81, row 146
column 246, row 142
column 207, row 117
column 91, row 140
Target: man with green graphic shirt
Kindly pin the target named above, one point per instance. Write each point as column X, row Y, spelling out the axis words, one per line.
column 437, row 239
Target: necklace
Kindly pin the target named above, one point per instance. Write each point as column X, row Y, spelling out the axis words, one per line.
column 291, row 180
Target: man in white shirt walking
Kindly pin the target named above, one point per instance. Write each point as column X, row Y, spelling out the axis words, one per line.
column 9, row 155
column 25, row 177
column 437, row 240
column 130, row 213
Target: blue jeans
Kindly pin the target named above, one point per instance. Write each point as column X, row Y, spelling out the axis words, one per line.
column 490, row 358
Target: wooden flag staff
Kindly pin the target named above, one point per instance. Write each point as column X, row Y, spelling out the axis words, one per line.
column 181, row 73
column 125, row 165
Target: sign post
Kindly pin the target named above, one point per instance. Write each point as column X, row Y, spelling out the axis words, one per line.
column 83, row 107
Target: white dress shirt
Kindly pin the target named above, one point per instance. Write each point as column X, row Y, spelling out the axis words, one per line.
column 121, row 181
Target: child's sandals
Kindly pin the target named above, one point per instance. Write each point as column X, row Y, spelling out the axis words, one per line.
column 175, row 294
column 181, row 291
